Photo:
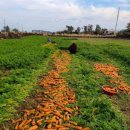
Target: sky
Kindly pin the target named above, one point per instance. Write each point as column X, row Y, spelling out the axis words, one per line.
column 54, row 15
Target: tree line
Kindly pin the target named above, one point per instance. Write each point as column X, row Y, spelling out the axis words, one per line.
column 89, row 29
column 7, row 29
column 125, row 33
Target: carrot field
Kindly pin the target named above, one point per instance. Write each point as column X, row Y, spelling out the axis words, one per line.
column 44, row 86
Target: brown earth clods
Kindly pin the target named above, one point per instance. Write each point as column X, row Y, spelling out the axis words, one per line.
column 52, row 113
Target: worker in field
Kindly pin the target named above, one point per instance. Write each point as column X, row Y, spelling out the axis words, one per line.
column 48, row 40
column 73, row 48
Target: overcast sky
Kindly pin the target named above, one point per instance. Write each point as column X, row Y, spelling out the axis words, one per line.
column 54, row 15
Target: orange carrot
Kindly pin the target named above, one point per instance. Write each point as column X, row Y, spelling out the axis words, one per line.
column 77, row 127
column 71, row 101
column 58, row 126
column 15, row 121
column 23, row 122
column 67, row 125
column 66, row 117
column 17, row 127
column 86, row 128
column 51, row 120
column 73, row 123
column 60, row 121
column 39, row 122
column 33, row 122
column 30, row 111
column 68, row 110
column 27, row 122
column 49, row 126
column 76, row 108
column 58, row 114
column 48, row 112
column 33, row 127
column 40, row 115
column 25, row 127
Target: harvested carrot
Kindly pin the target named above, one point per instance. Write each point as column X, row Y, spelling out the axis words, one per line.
column 51, row 121
column 66, row 117
column 25, row 116
column 58, row 126
column 76, row 108
column 71, row 101
column 57, row 117
column 29, row 112
column 68, row 110
column 86, row 128
column 17, row 127
column 40, row 115
column 33, row 122
column 25, row 127
column 48, row 112
column 67, row 125
column 49, row 126
column 73, row 123
column 64, row 128
column 77, row 127
column 112, row 71
column 23, row 123
column 51, row 105
column 39, row 122
column 28, row 121
column 33, row 127
column 58, row 114
column 15, row 121
column 60, row 121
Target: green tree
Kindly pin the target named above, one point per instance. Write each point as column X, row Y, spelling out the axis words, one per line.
column 15, row 30
column 104, row 31
column 98, row 29
column 77, row 31
column 90, row 29
column 70, row 29
column 128, row 27
column 85, row 29
column 7, row 28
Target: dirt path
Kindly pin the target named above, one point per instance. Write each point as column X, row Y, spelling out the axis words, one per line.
column 51, row 111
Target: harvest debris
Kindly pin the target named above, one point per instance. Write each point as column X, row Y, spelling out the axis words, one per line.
column 52, row 112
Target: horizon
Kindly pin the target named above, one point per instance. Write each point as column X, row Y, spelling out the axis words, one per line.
column 50, row 15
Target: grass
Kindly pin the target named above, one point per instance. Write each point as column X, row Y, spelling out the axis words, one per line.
column 21, row 62
column 97, row 110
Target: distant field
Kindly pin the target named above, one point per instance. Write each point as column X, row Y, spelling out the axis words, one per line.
column 23, row 60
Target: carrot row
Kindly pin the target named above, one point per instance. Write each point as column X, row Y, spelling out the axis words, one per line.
column 51, row 111
column 116, row 79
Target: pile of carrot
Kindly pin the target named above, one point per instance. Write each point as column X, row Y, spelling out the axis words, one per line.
column 110, row 89
column 51, row 112
column 108, row 70
column 111, row 71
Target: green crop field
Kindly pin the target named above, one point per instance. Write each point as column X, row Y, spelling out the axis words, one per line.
column 22, row 61
column 97, row 110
